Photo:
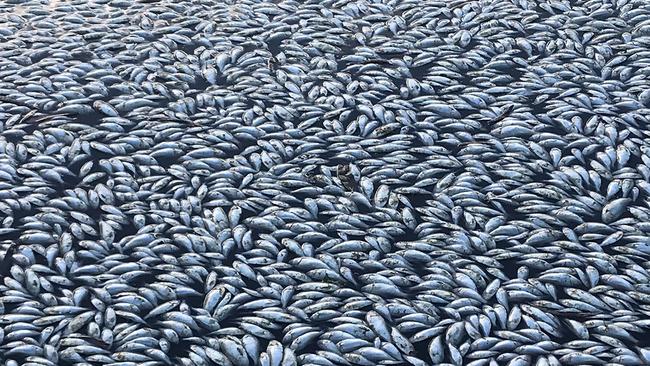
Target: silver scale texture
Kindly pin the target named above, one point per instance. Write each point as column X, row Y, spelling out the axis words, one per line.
column 324, row 183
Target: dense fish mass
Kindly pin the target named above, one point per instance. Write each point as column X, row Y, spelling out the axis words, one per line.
column 324, row 183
